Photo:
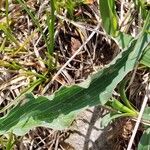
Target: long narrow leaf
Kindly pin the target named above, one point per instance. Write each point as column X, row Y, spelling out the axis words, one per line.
column 112, row 116
column 145, row 59
column 8, row 34
column 109, row 16
column 144, row 143
column 34, row 19
column 59, row 110
column 51, row 23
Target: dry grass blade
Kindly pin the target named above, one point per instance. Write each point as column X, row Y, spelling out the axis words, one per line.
column 73, row 56
column 147, row 96
column 79, row 25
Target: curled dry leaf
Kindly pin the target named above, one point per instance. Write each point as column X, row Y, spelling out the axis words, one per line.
column 89, row 1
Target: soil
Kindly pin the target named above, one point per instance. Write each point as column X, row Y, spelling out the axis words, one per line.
column 87, row 132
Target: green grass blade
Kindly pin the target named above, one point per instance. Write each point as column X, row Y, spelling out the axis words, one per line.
column 2, row 47
column 123, row 95
column 118, row 106
column 6, row 7
column 25, row 91
column 10, row 142
column 141, row 7
column 109, row 16
column 34, row 19
column 9, row 34
column 51, row 23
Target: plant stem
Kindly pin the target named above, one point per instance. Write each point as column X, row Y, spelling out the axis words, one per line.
column 51, row 23
column 123, row 95
column 122, row 108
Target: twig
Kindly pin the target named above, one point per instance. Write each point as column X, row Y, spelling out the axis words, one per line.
column 121, row 12
column 79, row 25
column 144, row 122
column 72, row 57
column 139, row 117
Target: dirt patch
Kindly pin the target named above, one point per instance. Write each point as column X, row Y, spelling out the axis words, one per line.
column 86, row 130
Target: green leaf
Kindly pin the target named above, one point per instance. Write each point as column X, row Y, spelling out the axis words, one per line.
column 111, row 116
column 141, row 7
column 123, row 96
column 146, row 114
column 122, row 108
column 145, row 59
column 109, row 16
column 60, row 109
column 123, row 39
column 145, row 141
column 36, row 112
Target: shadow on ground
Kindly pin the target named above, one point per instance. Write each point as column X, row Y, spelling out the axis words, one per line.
column 87, row 132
